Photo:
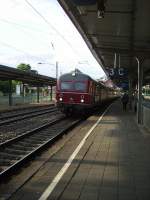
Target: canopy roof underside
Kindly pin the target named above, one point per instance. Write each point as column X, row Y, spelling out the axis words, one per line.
column 121, row 36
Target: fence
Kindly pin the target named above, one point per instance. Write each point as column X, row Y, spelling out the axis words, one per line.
column 30, row 98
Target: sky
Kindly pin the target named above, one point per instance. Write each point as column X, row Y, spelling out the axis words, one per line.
column 39, row 33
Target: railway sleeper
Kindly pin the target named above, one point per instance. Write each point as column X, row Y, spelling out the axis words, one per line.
column 22, row 148
column 28, row 144
column 10, row 156
column 33, row 142
column 25, row 113
column 6, row 162
column 41, row 137
column 17, row 152
column 47, row 134
column 38, row 139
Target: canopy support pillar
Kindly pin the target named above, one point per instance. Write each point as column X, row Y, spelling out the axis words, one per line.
column 140, row 81
column 10, row 93
column 38, row 94
column 51, row 91
column 130, row 92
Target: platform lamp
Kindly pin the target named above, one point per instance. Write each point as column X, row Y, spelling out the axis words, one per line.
column 100, row 9
column 43, row 63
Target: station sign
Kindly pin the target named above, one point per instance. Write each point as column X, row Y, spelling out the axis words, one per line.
column 117, row 72
column 120, row 76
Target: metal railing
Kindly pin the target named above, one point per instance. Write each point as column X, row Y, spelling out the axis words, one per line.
column 30, row 98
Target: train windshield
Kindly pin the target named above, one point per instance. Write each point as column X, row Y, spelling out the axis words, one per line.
column 66, row 86
column 73, row 86
column 79, row 86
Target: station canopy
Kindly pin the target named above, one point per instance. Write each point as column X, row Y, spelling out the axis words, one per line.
column 8, row 73
column 116, row 31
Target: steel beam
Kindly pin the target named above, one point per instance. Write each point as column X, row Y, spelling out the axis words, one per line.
column 10, row 93
column 51, row 93
column 38, row 94
column 108, row 35
column 140, row 82
column 108, row 11
column 130, row 92
column 135, row 52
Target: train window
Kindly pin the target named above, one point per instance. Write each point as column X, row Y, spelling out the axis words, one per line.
column 66, row 86
column 80, row 86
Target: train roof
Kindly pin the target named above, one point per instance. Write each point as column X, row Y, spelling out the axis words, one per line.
column 75, row 75
column 78, row 75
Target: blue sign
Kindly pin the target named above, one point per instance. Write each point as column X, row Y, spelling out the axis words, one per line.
column 84, row 2
column 117, row 72
column 120, row 76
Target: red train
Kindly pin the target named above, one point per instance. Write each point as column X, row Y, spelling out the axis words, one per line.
column 77, row 92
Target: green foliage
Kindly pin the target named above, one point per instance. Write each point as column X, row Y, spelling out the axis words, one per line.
column 4, row 87
column 24, row 67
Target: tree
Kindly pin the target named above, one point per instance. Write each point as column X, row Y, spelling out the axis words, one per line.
column 4, row 87
column 24, row 67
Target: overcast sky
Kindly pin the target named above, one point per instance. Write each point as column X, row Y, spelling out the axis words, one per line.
column 38, row 31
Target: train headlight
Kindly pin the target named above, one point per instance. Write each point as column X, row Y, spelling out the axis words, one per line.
column 82, row 100
column 60, row 99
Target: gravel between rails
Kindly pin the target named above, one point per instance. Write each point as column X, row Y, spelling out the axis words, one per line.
column 20, row 113
column 15, row 129
column 23, row 109
column 31, row 143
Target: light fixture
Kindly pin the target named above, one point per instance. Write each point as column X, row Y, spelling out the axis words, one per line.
column 95, row 39
column 73, row 74
column 100, row 9
column 81, row 10
column 100, row 14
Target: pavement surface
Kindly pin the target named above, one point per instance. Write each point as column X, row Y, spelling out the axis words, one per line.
column 112, row 164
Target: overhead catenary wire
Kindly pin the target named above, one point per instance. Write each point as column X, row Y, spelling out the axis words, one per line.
column 17, row 49
column 22, row 29
column 49, row 24
column 24, row 26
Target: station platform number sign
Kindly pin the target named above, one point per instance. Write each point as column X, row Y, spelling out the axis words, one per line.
column 117, row 73
column 120, row 76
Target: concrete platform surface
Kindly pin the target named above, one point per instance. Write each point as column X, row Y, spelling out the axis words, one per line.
column 113, row 164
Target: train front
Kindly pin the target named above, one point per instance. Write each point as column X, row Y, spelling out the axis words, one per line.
column 72, row 92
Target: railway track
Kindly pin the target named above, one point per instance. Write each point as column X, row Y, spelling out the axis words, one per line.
column 17, row 151
column 19, row 111
column 4, row 113
column 25, row 115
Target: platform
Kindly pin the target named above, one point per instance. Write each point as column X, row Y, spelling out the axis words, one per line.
column 116, row 164
column 113, row 164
